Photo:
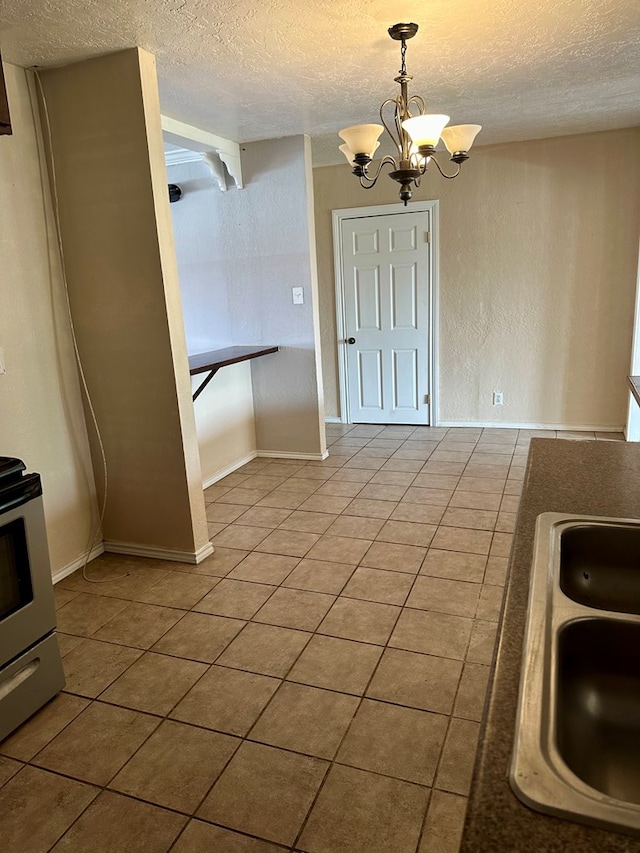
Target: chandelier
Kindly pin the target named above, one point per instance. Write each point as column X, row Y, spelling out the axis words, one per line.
column 415, row 138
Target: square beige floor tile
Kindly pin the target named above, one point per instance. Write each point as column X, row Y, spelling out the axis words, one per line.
column 475, row 500
column 91, row 666
column 177, row 766
column 139, row 625
column 352, row 475
column 326, row 503
column 445, row 596
column 482, row 642
column 379, row 585
column 395, row 558
column 229, row 700
column 436, row 480
column 383, row 491
column 401, row 742
column 472, row 691
column 120, row 576
column 225, row 513
column 418, row 681
column 199, row 636
column 319, row 576
column 481, row 484
column 490, row 602
column 444, row 824
column 362, row 812
column 283, row 500
column 427, row 496
column 201, row 836
column 338, row 549
column 66, row 642
column 370, row 508
column 178, row 589
column 407, row 533
column 407, row 466
column 236, row 599
column 306, row 719
column 421, row 513
column 63, row 596
column 477, row 519
column 95, row 745
column 462, row 539
column 214, row 527
column 85, row 614
column 359, row 527
column 456, row 565
column 8, row 768
column 496, row 571
column 37, row 807
column 240, row 536
column 264, row 516
column 431, row 633
column 458, row 757
column 366, row 621
column 308, row 522
column 155, row 683
column 336, row 664
column 49, row 721
column 265, row 649
column 114, row 823
column 500, row 546
column 264, row 568
column 219, row 564
column 340, row 489
column 265, row 792
column 295, row 608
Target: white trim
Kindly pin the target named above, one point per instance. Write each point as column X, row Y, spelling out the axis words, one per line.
column 177, row 133
column 182, row 155
column 524, row 425
column 76, row 564
column 332, row 420
column 432, row 208
column 135, row 550
column 223, row 472
column 278, row 454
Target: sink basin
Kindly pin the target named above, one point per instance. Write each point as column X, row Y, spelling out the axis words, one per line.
column 577, row 743
column 600, row 566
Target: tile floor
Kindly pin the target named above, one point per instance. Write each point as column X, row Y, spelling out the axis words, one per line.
column 316, row 685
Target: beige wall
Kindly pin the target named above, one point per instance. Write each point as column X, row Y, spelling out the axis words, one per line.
column 123, row 284
column 41, row 418
column 538, row 256
column 225, row 421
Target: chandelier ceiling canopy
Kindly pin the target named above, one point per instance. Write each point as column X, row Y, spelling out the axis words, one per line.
column 415, row 134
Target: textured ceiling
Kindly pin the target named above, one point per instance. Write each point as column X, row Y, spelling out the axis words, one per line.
column 247, row 70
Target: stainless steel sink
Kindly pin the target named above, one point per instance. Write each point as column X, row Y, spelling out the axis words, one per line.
column 577, row 744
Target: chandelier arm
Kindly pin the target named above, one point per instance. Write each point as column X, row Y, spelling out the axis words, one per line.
column 444, row 174
column 386, row 160
column 395, row 137
column 419, row 100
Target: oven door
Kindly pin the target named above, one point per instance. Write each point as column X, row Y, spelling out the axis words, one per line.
column 27, row 610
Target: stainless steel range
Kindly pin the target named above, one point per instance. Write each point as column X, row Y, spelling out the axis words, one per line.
column 30, row 665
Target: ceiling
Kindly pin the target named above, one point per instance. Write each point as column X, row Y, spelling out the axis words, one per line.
column 251, row 70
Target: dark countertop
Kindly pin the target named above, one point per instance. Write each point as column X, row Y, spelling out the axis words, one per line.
column 217, row 358
column 588, row 477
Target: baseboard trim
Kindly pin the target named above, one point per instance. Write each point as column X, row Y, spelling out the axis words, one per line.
column 76, row 564
column 523, row 425
column 330, row 420
column 278, row 454
column 223, row 472
column 134, row 550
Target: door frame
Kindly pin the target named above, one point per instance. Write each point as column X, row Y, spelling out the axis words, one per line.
column 338, row 216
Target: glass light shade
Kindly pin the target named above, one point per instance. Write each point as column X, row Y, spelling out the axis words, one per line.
column 425, row 129
column 362, row 138
column 348, row 153
column 459, row 137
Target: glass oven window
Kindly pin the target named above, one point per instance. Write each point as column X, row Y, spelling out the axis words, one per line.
column 15, row 577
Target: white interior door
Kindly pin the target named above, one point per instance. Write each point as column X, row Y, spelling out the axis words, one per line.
column 386, row 297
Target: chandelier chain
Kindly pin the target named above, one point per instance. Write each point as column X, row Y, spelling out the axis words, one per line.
column 403, row 53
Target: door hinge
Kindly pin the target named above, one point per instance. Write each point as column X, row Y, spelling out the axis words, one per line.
column 427, row 236
column 427, row 399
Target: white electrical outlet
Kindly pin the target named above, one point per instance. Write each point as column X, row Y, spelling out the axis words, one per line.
column 298, row 295
column 3, row 369
column 497, row 398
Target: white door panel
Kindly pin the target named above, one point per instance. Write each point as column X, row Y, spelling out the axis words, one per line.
column 385, row 274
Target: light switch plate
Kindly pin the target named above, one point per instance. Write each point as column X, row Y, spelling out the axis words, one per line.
column 3, row 369
column 298, row 295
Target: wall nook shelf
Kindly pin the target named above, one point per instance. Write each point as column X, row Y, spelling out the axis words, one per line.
column 211, row 362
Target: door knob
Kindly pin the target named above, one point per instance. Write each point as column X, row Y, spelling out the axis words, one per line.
column 351, row 340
